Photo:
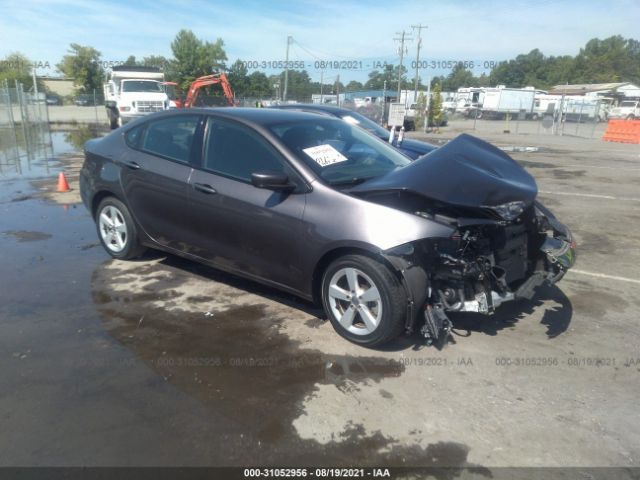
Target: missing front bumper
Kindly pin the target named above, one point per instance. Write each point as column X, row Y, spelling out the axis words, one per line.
column 558, row 256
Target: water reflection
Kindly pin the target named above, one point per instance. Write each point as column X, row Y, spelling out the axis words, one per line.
column 31, row 150
column 78, row 137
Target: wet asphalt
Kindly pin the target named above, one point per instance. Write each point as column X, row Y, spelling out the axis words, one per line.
column 162, row 361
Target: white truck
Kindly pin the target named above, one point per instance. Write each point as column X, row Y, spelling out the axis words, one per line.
column 629, row 109
column 133, row 92
column 501, row 101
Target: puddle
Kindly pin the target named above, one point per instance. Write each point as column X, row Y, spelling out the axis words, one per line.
column 221, row 344
column 27, row 236
column 34, row 152
column 231, row 353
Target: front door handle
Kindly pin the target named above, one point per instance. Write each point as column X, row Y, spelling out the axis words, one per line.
column 132, row 165
column 204, row 188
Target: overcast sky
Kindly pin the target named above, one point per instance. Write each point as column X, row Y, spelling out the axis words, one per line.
column 329, row 29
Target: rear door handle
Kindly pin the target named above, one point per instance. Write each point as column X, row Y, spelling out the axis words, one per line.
column 204, row 188
column 132, row 165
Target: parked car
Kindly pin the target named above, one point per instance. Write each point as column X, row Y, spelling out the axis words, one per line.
column 318, row 207
column 411, row 148
column 53, row 99
column 84, row 100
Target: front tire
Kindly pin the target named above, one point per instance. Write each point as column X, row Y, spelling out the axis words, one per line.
column 364, row 301
column 117, row 230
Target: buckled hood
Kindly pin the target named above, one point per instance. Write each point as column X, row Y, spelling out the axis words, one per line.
column 466, row 171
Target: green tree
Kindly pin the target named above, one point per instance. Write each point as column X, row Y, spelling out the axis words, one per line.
column 436, row 114
column 299, row 87
column 131, row 61
column 614, row 59
column 157, row 61
column 82, row 63
column 421, row 110
column 258, row 85
column 390, row 75
column 239, row 78
column 459, row 77
column 194, row 58
column 16, row 66
column 353, row 86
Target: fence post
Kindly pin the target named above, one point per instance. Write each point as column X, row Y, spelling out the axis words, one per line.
column 579, row 116
column 12, row 121
column 95, row 106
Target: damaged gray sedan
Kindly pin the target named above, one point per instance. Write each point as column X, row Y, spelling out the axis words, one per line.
column 321, row 209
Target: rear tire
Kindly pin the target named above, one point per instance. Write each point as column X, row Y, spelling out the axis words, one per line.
column 364, row 301
column 117, row 231
column 113, row 118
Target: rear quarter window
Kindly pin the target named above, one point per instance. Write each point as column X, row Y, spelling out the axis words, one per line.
column 133, row 136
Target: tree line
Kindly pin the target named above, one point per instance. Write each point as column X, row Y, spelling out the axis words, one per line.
column 613, row 59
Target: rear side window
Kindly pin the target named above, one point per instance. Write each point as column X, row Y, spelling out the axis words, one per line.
column 236, row 151
column 171, row 137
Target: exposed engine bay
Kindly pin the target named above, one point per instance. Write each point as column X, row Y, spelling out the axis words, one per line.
column 487, row 261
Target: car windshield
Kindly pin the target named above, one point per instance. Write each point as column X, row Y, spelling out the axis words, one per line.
column 366, row 123
column 338, row 152
column 141, row 86
column 628, row 104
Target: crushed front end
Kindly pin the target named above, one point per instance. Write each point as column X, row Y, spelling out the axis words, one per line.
column 493, row 256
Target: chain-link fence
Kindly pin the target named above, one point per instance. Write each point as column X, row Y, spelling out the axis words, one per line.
column 24, row 127
column 577, row 116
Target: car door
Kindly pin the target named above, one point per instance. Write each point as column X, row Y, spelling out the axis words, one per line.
column 236, row 225
column 155, row 176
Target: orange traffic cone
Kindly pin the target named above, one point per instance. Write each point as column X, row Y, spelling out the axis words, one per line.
column 63, row 186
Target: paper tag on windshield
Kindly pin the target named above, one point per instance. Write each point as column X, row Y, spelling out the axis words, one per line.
column 325, row 155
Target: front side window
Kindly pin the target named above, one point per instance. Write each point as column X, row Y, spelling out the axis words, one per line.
column 171, row 137
column 236, row 151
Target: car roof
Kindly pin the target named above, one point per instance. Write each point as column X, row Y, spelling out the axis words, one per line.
column 259, row 116
column 337, row 111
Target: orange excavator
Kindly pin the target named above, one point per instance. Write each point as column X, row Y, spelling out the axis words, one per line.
column 196, row 86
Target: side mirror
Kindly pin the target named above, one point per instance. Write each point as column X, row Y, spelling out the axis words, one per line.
column 272, row 181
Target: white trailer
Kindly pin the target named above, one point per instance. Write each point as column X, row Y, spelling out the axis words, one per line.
column 545, row 104
column 501, row 101
column 584, row 109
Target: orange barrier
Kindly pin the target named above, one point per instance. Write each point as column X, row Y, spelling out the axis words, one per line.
column 624, row 131
column 63, row 185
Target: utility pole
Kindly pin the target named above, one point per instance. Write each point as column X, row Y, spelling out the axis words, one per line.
column 286, row 69
column 419, row 27
column 321, row 80
column 402, row 39
column 338, row 90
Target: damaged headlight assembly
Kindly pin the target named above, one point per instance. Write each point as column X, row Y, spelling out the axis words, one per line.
column 508, row 211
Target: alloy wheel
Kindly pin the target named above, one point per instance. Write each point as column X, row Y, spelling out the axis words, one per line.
column 113, row 229
column 355, row 301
